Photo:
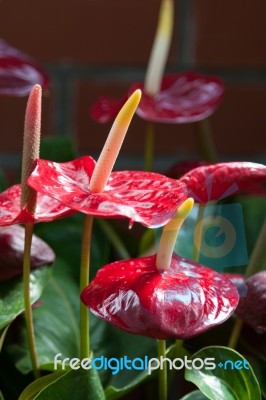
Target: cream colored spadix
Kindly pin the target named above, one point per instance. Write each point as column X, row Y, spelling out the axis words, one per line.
column 169, row 235
column 113, row 143
column 160, row 48
column 31, row 145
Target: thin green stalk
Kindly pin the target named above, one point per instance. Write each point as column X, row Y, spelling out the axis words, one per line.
column 205, row 141
column 149, row 146
column 256, row 263
column 235, row 333
column 27, row 299
column 114, row 238
column 84, row 281
column 198, row 234
column 258, row 256
column 162, row 375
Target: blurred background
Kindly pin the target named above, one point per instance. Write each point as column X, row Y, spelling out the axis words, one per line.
column 95, row 47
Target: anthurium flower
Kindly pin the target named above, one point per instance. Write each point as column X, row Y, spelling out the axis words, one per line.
column 162, row 296
column 12, row 250
column 183, row 98
column 251, row 308
column 18, row 72
column 217, row 181
column 183, row 301
column 148, row 198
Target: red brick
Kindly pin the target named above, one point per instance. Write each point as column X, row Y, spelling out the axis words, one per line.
column 89, row 31
column 239, row 124
column 230, row 33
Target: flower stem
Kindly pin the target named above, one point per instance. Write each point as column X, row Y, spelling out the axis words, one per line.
column 149, row 146
column 255, row 264
column 205, row 141
column 84, row 281
column 235, row 333
column 114, row 238
column 258, row 256
column 27, row 299
column 162, row 375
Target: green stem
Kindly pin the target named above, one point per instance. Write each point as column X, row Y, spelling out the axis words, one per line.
column 235, row 333
column 258, row 255
column 149, row 146
column 114, row 238
column 198, row 234
column 84, row 281
column 205, row 141
column 27, row 299
column 256, row 263
column 162, row 376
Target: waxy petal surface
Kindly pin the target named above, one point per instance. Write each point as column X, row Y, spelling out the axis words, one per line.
column 12, row 250
column 183, row 98
column 181, row 302
column 252, row 307
column 217, row 181
column 179, row 169
column 47, row 208
column 144, row 197
column 106, row 108
column 18, row 72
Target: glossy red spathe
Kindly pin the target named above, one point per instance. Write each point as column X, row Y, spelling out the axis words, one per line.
column 18, row 72
column 217, row 181
column 145, row 197
column 252, row 306
column 181, row 302
column 184, row 97
column 47, row 208
column 106, row 108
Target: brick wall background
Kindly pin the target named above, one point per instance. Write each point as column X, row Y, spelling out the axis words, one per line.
column 94, row 47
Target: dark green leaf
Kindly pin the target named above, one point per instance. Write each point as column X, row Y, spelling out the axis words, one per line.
column 56, row 321
column 37, row 386
column 57, row 148
column 12, row 300
column 77, row 384
column 195, row 395
column 229, row 380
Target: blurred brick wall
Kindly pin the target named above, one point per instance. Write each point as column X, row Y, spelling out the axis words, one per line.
column 94, row 47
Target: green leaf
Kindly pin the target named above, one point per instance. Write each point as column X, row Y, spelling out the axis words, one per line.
column 229, row 381
column 79, row 384
column 37, row 386
column 57, row 148
column 12, row 299
column 1, row 396
column 195, row 395
column 56, row 321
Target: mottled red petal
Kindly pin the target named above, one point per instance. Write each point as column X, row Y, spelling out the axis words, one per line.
column 12, row 250
column 217, row 181
column 47, row 208
column 181, row 302
column 106, row 108
column 252, row 307
column 18, row 72
column 185, row 97
column 144, row 197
